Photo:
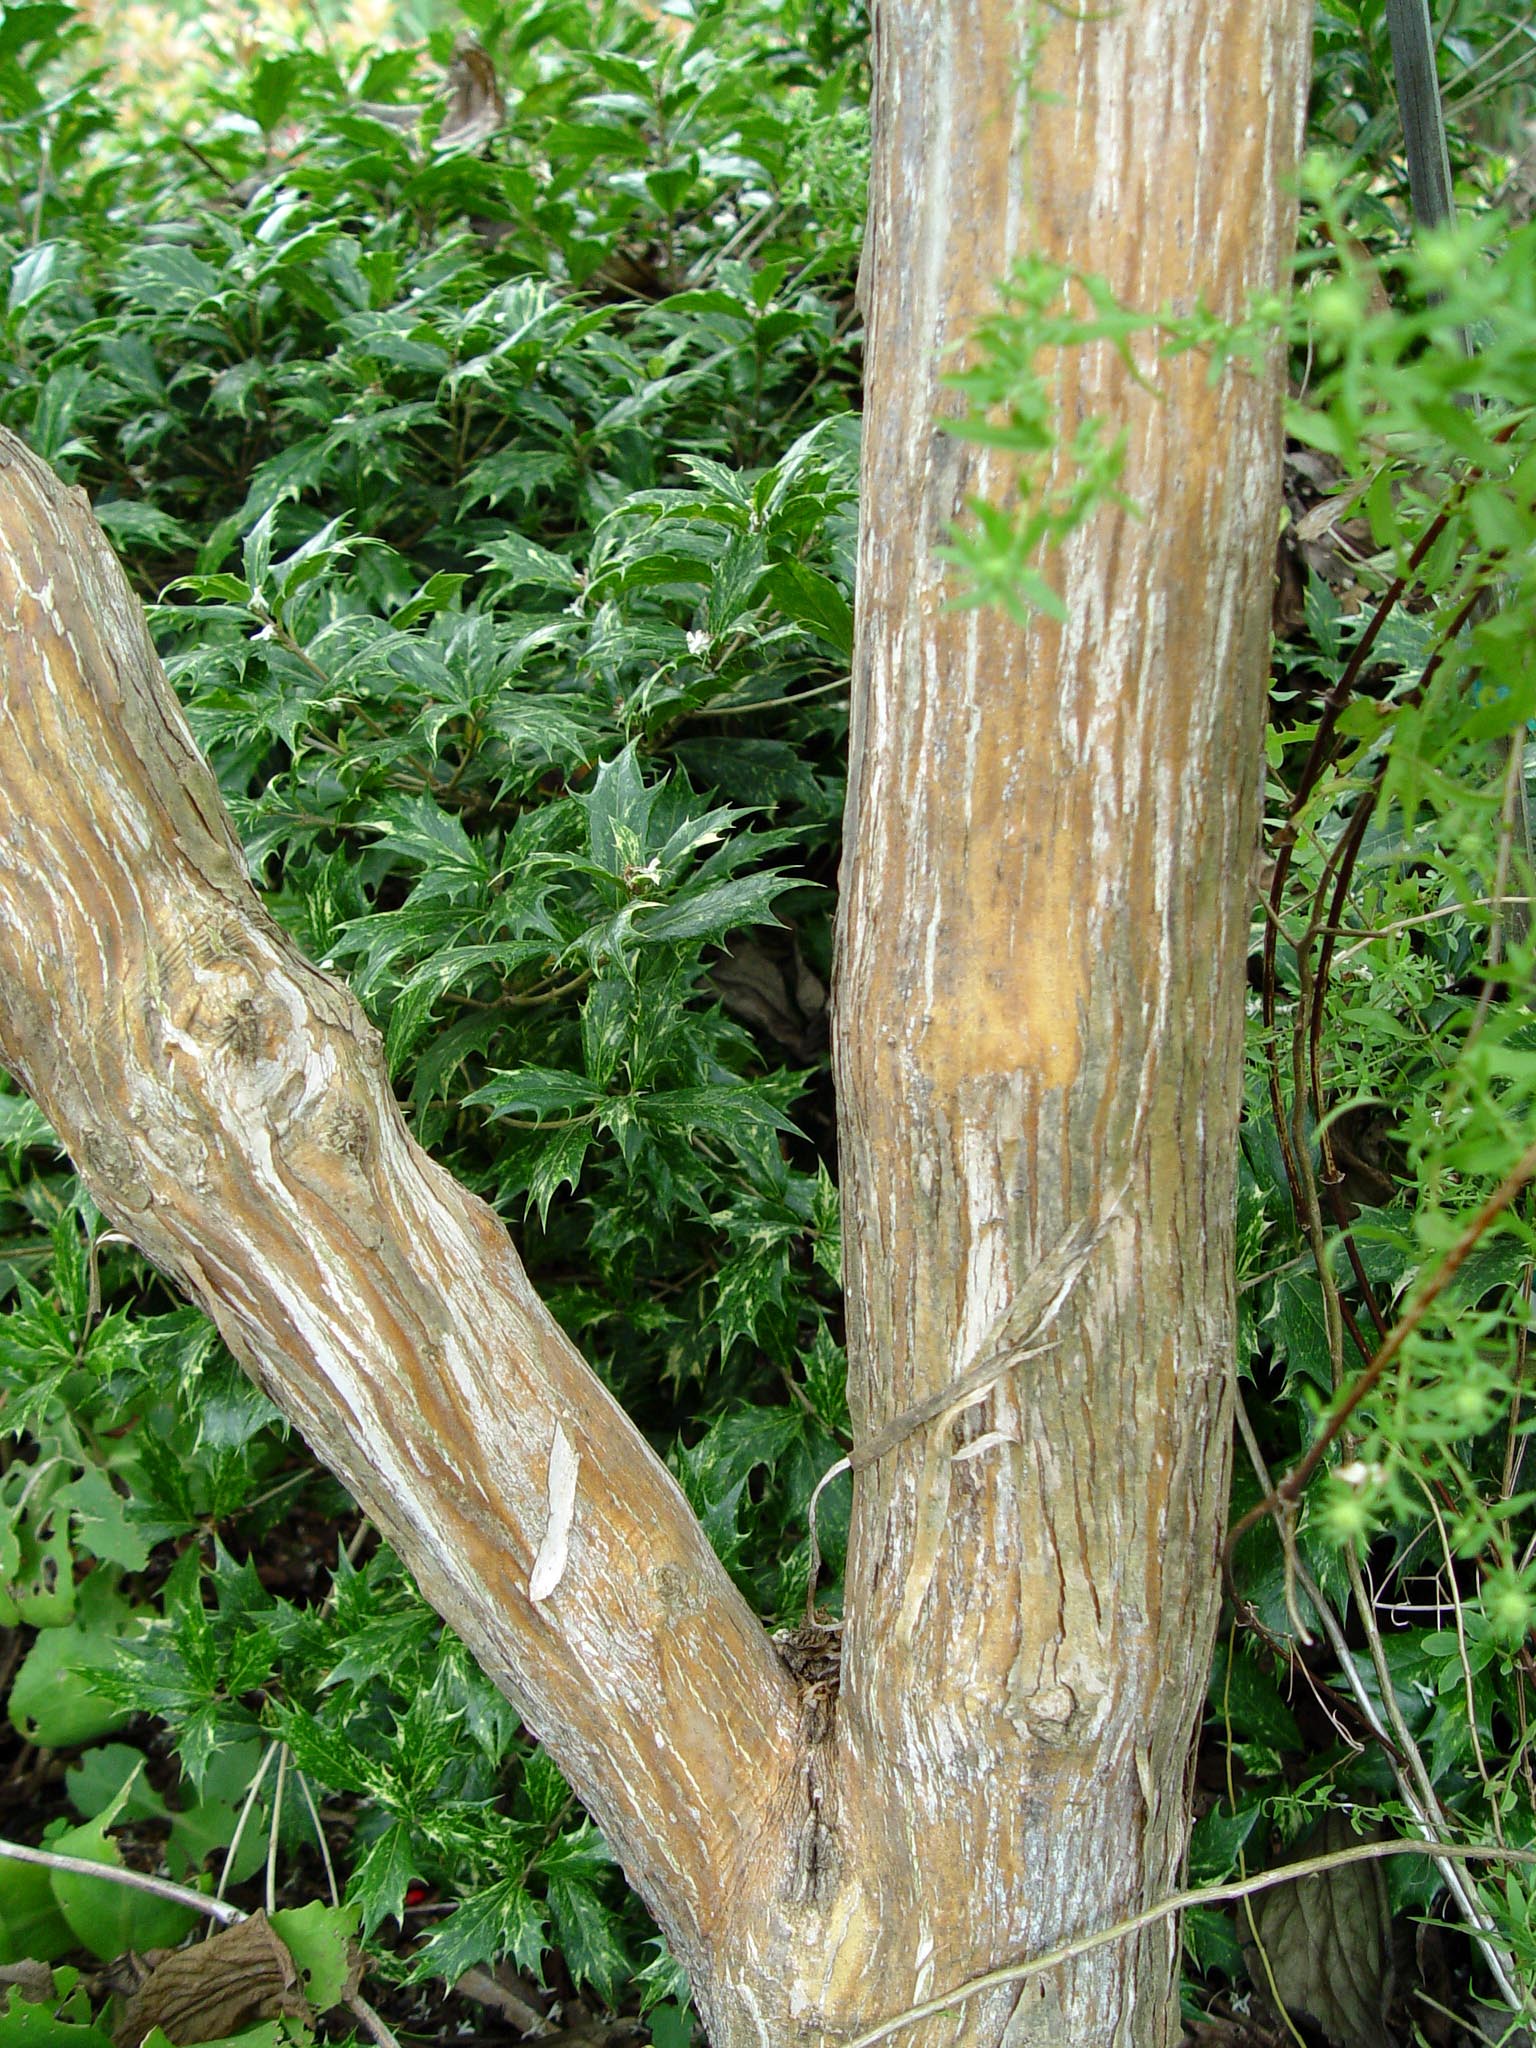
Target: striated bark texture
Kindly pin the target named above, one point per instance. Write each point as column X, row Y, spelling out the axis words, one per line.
column 1039, row 999
column 1039, row 1008
column 228, row 1107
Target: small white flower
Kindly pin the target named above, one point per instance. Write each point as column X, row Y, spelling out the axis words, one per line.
column 1359, row 1474
column 698, row 645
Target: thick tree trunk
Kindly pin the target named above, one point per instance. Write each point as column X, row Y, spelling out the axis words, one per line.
column 1039, row 1001
column 1039, row 1008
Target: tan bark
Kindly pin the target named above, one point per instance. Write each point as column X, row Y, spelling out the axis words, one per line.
column 1039, row 1007
column 228, row 1107
column 1039, row 999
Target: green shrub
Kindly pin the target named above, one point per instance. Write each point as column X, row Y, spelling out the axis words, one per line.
column 495, row 498
column 501, row 496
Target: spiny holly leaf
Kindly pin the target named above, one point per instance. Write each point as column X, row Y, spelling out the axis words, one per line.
column 1246, row 1699
column 740, row 1442
column 381, row 1879
column 424, row 835
column 586, row 1932
column 536, row 1092
column 502, row 1920
column 558, row 1166
column 524, row 563
column 710, row 910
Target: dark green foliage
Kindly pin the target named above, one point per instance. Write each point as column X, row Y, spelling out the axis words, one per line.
column 496, row 500
column 1385, row 1208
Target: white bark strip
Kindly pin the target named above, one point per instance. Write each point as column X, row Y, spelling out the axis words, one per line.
column 554, row 1551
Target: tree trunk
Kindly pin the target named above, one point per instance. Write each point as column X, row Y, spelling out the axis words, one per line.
column 1039, row 1001
column 1038, row 1032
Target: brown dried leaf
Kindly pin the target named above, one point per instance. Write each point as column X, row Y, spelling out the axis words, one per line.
column 488, row 1989
column 1215, row 2032
column 32, row 1979
column 1324, row 533
column 405, row 118
column 1367, row 1156
column 1328, row 1943
column 1328, row 513
column 766, row 980
column 216, row 1987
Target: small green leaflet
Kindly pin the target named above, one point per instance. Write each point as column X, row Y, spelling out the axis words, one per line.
column 503, row 1920
column 523, row 561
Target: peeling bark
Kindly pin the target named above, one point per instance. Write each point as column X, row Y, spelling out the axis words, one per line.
column 1037, row 1042
column 228, row 1108
column 1039, row 997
